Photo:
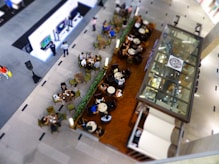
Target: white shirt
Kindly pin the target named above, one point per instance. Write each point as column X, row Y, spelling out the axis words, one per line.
column 97, row 64
column 64, row 46
column 121, row 81
column 83, row 62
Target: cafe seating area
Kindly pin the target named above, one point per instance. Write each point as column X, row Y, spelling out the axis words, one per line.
column 104, row 101
column 52, row 119
column 135, row 42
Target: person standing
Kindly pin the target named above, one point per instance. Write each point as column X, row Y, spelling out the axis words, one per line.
column 53, row 48
column 101, row 4
column 64, row 46
column 94, row 22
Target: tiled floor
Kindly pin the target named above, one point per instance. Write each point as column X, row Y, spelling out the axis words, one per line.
column 19, row 137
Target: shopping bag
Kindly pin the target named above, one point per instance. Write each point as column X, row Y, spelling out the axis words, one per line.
column 9, row 73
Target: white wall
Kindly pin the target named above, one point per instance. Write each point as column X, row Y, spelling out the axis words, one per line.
column 90, row 3
column 47, row 28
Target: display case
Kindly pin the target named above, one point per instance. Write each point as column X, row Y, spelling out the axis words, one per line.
column 171, row 75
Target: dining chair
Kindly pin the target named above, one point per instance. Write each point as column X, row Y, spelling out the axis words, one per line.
column 62, row 116
column 87, row 70
column 87, row 77
column 71, row 107
column 73, row 82
column 77, row 94
column 40, row 123
column 50, row 110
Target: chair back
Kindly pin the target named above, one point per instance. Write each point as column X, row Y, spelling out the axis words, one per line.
column 71, row 107
column 50, row 110
column 77, row 93
column 87, row 77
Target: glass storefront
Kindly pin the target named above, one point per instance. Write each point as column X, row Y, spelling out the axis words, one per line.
column 170, row 80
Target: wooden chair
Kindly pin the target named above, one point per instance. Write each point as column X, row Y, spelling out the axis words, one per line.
column 50, row 110
column 71, row 107
column 77, row 94
column 40, row 123
column 87, row 77
column 73, row 82
column 62, row 116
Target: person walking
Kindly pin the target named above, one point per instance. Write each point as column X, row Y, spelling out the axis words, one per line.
column 101, row 4
column 53, row 48
column 94, row 22
column 64, row 46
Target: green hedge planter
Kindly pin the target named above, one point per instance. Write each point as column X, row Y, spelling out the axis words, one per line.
column 85, row 100
column 127, row 30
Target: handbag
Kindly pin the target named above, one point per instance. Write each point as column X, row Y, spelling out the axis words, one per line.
column 9, row 73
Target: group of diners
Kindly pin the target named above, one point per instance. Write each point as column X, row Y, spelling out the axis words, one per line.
column 89, row 61
column 65, row 95
column 142, row 28
column 116, row 77
column 131, row 46
column 108, row 30
column 53, row 120
column 102, row 105
column 123, row 10
column 104, row 101
column 90, row 126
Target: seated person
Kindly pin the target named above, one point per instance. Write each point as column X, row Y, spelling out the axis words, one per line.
column 89, row 55
column 139, row 20
column 82, row 123
column 82, row 56
column 121, row 81
column 99, row 131
column 99, row 100
column 112, row 33
column 83, row 62
column 106, row 118
column 63, row 87
column 124, row 23
column 117, row 9
column 129, row 9
column 97, row 58
column 137, row 136
column 89, row 66
column 72, row 93
column 93, row 109
column 45, row 120
column 126, row 44
column 118, row 93
column 106, row 27
column 97, row 64
column 103, row 86
column 130, row 37
column 139, row 49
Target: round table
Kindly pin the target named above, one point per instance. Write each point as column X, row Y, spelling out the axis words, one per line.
column 136, row 41
column 145, row 22
column 93, row 126
column 111, row 90
column 102, row 107
column 131, row 51
column 141, row 31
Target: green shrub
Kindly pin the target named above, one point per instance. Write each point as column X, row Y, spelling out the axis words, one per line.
column 85, row 100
